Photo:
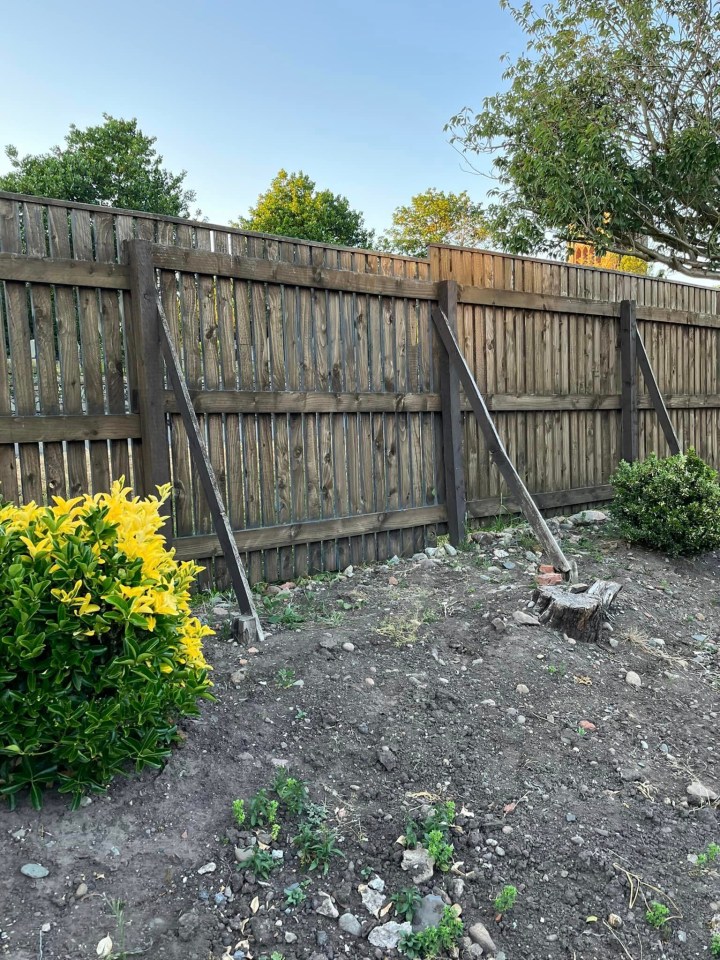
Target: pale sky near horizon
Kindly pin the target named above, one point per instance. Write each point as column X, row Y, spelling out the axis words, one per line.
column 356, row 95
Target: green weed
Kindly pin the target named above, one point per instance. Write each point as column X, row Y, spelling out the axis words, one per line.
column 406, row 902
column 434, row 940
column 238, row 809
column 295, row 893
column 505, row 900
column 263, row 810
column 657, row 915
column 316, row 846
column 292, row 792
column 262, row 863
column 285, row 678
column 710, row 855
column 715, row 945
column 440, row 851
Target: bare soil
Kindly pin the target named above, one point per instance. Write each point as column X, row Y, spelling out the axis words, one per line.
column 423, row 705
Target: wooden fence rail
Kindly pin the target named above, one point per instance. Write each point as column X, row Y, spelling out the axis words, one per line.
column 317, row 379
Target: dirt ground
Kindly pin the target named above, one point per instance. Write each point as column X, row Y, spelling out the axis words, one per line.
column 416, row 683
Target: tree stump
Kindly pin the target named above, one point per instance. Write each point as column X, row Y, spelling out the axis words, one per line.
column 579, row 615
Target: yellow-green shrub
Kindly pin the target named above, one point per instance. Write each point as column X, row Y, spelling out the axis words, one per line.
column 99, row 652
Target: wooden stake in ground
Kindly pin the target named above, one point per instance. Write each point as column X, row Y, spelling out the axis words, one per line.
column 581, row 616
column 249, row 623
column 497, row 448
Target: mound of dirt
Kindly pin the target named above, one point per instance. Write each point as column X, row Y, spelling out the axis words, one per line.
column 388, row 691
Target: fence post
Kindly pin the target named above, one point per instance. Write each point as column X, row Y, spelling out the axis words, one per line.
column 144, row 341
column 628, row 356
column 451, row 421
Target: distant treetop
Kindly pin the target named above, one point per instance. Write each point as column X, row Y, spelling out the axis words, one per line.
column 113, row 164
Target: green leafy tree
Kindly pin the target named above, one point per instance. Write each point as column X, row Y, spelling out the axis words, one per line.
column 113, row 163
column 436, row 217
column 608, row 131
column 292, row 207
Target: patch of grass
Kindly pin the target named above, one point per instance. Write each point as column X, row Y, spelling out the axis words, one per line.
column 406, row 902
column 403, row 631
column 317, row 845
column 280, row 614
column 285, row 678
column 434, row 940
column 715, row 945
column 506, row 899
column 709, row 855
column 657, row 915
column 262, row 863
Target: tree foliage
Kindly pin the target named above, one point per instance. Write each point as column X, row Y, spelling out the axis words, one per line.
column 292, row 207
column 113, row 163
column 608, row 132
column 436, row 217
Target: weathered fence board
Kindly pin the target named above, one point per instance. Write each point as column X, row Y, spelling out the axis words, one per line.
column 314, row 372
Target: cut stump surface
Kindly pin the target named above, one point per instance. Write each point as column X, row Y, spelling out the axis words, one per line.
column 579, row 615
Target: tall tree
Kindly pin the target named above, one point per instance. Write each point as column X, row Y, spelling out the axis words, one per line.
column 292, row 207
column 113, row 163
column 609, row 131
column 436, row 217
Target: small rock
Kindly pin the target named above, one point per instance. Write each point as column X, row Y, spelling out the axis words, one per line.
column 418, row 863
column 509, row 565
column 501, row 554
column 615, row 921
column 521, row 688
column 450, row 550
column 479, row 934
column 393, row 581
column 36, row 871
column 587, row 517
column 81, row 890
column 498, row 623
column 655, row 642
column 578, row 588
column 327, row 643
column 377, row 883
column 699, row 793
column 243, row 854
column 238, row 678
column 389, row 934
column 210, row 867
column 369, row 682
column 290, row 937
column 348, row 647
column 633, row 679
column 373, row 900
column 350, row 924
column 349, row 571
column 587, row 725
column 431, row 551
column 526, row 618
column 327, row 907
column 473, row 952
column 428, row 913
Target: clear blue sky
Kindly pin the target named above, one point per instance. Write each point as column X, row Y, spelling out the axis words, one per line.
column 355, row 94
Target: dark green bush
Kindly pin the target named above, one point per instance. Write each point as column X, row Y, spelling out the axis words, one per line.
column 670, row 504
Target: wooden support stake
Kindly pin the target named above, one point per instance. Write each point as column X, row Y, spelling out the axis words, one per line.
column 657, row 399
column 628, row 346
column 207, row 476
column 498, row 452
column 452, row 422
column 148, row 397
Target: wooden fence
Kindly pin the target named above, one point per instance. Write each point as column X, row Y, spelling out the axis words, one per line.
column 314, row 372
